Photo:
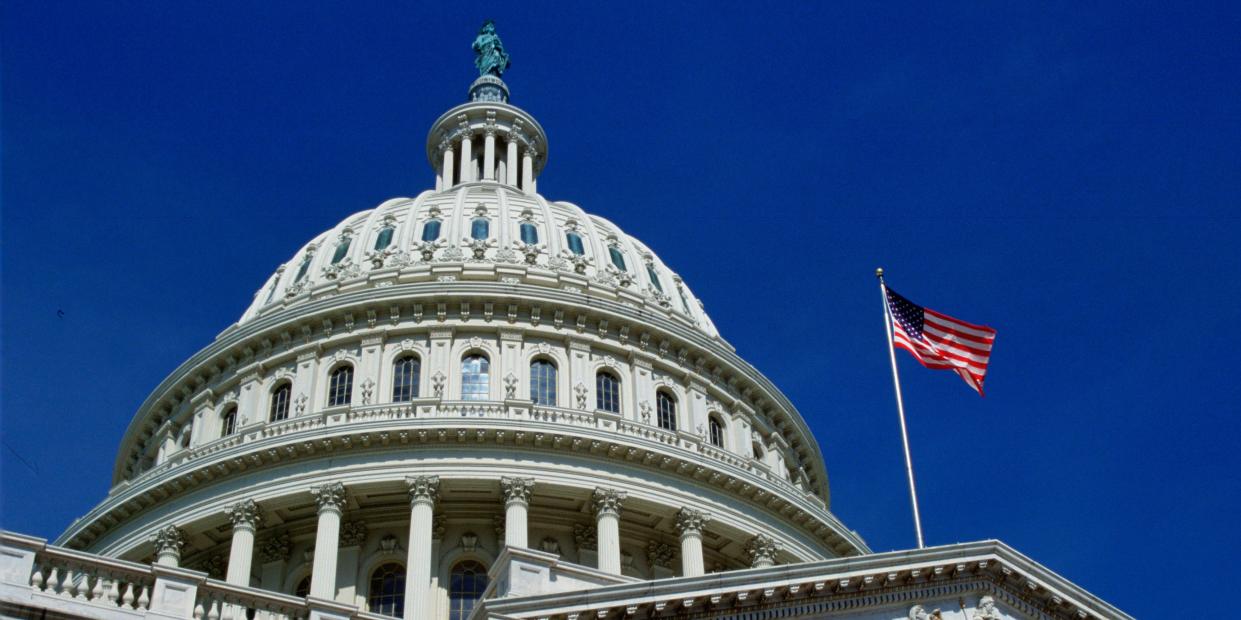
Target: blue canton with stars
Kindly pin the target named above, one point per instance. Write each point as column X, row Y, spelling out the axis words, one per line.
column 907, row 314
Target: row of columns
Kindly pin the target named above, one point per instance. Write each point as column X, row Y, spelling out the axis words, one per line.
column 518, row 176
column 423, row 491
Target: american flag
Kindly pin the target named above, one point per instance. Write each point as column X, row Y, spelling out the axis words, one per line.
column 940, row 341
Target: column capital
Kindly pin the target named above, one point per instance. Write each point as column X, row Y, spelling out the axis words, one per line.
column 690, row 521
column 607, row 501
column 423, row 489
column 516, row 489
column 244, row 514
column 330, row 496
column 446, row 146
column 169, row 540
column 762, row 550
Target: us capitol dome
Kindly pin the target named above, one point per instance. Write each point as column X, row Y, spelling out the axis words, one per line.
column 479, row 402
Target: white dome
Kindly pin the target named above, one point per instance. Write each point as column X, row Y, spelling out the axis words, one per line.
column 397, row 240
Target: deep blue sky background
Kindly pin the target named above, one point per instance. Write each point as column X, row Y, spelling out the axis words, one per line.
column 1066, row 174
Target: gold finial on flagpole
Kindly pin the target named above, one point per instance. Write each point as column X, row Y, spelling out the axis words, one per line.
column 879, row 273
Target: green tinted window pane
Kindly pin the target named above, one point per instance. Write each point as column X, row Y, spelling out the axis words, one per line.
column 431, row 231
column 384, row 239
column 618, row 259
column 342, row 249
column 480, row 229
column 650, row 273
column 575, row 243
column 301, row 271
column 529, row 234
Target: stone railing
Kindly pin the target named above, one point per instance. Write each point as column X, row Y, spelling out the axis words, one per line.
column 39, row 580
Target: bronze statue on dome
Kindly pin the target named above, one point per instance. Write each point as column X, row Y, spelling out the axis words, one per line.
column 489, row 54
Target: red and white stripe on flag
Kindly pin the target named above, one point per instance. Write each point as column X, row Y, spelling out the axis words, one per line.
column 941, row 342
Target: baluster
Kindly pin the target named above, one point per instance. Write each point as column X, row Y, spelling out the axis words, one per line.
column 214, row 614
column 199, row 612
column 71, row 584
column 83, row 592
column 144, row 600
column 53, row 581
column 97, row 592
column 114, row 591
column 36, row 579
column 128, row 599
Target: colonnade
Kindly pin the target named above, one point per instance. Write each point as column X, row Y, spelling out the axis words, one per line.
column 518, row 172
column 423, row 491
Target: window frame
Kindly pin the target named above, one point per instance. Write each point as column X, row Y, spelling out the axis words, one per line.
column 604, row 397
column 435, row 225
column 228, row 421
column 716, row 431
column 458, row 607
column 666, row 416
column 337, row 395
column 413, row 378
column 475, row 393
column 377, row 600
column 543, row 381
column 275, row 404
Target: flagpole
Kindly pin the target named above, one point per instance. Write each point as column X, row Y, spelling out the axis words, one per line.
column 900, row 406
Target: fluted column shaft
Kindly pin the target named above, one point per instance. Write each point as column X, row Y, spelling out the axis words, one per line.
column 489, row 156
column 527, row 170
column 689, row 524
column 245, row 518
column 446, row 170
column 467, row 165
column 512, row 170
column 607, row 506
column 516, row 508
column 331, row 500
column 423, row 492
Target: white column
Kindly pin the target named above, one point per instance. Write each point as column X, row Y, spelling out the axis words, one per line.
column 245, row 518
column 467, row 159
column 512, row 161
column 762, row 551
column 607, row 506
column 489, row 155
column 423, row 492
column 516, row 506
column 168, row 544
column 331, row 500
column 689, row 525
column 527, row 170
column 446, row 170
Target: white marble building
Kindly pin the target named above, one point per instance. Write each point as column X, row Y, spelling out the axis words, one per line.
column 477, row 402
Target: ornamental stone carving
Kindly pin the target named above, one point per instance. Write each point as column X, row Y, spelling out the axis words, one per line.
column 510, row 386
column 469, row 542
column 389, row 545
column 580, row 391
column 516, row 489
column 353, row 534
column 690, row 521
column 550, row 545
column 918, row 612
column 762, row 550
column 169, row 541
column 497, row 523
column 585, row 536
column 986, row 609
column 368, row 391
column 438, row 529
column 329, row 496
column 660, row 554
column 275, row 549
column 437, row 383
column 423, row 489
column 607, row 501
column 244, row 514
column 300, row 403
column 644, row 408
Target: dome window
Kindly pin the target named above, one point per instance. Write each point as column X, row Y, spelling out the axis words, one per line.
column 405, row 375
column 387, row 592
column 618, row 259
column 654, row 277
column 384, row 239
column 475, row 377
column 340, row 386
column 480, row 229
column 529, row 234
column 431, row 230
column 666, row 406
column 684, row 300
column 342, row 249
column 543, row 383
column 279, row 408
column 575, row 243
column 271, row 293
column 607, row 392
column 301, row 271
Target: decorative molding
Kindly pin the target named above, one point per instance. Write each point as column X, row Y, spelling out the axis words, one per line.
column 550, row 545
column 169, row 541
column 389, row 545
column 762, row 550
column 607, row 501
column 690, row 521
column 660, row 554
column 516, row 489
column 423, row 489
column 244, row 514
column 330, row 496
column 585, row 536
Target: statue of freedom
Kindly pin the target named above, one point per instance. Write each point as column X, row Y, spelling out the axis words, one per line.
column 489, row 54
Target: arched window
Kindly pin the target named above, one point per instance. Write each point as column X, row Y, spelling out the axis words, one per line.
column 228, row 423
column 607, row 392
column 575, row 243
column 618, row 259
column 405, row 373
column 529, row 233
column 543, row 382
column 387, row 592
column 342, row 249
column 715, row 431
column 303, row 588
column 340, row 386
column 465, row 587
column 305, row 266
column 279, row 408
column 654, row 277
column 431, row 230
column 480, row 229
column 475, row 377
column 666, row 406
column 385, row 238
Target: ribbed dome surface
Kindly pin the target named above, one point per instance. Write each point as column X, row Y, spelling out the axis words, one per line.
column 480, row 231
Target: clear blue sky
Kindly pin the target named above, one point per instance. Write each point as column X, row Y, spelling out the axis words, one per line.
column 1066, row 174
